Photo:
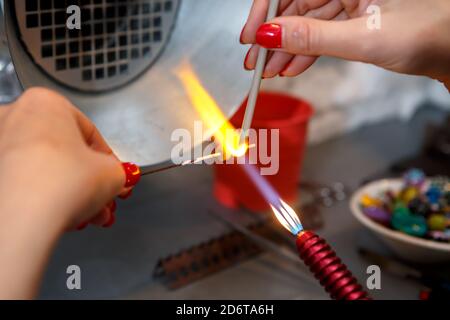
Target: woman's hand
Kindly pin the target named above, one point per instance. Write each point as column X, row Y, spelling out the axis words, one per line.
column 413, row 37
column 56, row 172
column 54, row 158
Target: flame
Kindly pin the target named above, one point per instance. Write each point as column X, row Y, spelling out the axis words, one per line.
column 211, row 114
column 229, row 139
column 287, row 217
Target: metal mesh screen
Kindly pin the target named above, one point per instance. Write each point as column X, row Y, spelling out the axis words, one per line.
column 118, row 39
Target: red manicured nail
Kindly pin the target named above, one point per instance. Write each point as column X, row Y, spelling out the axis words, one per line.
column 133, row 174
column 127, row 195
column 269, row 35
column 112, row 220
column 82, row 226
column 245, row 61
column 242, row 34
column 284, row 69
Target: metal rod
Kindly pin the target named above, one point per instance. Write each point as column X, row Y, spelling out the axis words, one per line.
column 165, row 167
column 257, row 77
column 152, row 170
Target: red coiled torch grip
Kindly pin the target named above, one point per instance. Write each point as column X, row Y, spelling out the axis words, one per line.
column 333, row 275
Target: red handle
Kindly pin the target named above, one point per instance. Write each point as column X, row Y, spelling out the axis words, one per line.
column 333, row 275
column 132, row 173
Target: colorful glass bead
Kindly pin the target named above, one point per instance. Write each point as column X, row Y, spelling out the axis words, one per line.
column 414, row 177
column 368, row 201
column 442, row 236
column 421, row 208
column 437, row 222
column 433, row 194
column 409, row 194
column 414, row 225
column 378, row 214
column 440, row 182
column 401, row 209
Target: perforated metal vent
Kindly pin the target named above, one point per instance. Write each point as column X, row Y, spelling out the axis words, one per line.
column 118, row 39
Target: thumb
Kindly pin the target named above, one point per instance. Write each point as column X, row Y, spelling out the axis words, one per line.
column 112, row 177
column 349, row 39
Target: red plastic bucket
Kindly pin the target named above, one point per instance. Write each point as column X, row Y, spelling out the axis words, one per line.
column 232, row 186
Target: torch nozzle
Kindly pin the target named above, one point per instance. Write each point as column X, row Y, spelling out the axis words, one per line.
column 333, row 275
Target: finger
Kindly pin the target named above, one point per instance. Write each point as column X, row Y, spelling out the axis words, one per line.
column 342, row 16
column 303, row 6
column 352, row 7
column 277, row 63
column 106, row 217
column 290, row 10
column 282, row 61
column 127, row 193
column 101, row 218
column 279, row 60
column 96, row 141
column 301, row 63
column 92, row 136
column 251, row 57
column 298, row 65
column 348, row 39
column 112, row 207
column 111, row 221
column 327, row 12
column 111, row 178
column 257, row 16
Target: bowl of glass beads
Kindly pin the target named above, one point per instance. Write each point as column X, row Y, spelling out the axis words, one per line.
column 411, row 215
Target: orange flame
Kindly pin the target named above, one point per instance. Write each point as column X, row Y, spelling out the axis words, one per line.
column 210, row 113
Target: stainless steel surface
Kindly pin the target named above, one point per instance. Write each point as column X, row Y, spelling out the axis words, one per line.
column 116, row 43
column 257, row 77
column 10, row 87
column 139, row 118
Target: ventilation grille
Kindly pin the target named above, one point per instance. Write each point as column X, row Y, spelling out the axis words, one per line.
column 118, row 39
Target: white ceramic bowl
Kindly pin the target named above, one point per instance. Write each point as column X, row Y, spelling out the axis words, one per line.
column 405, row 246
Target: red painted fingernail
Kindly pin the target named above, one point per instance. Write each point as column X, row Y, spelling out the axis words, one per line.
column 269, row 35
column 242, row 34
column 82, row 226
column 245, row 61
column 112, row 220
column 133, row 174
column 127, row 195
column 284, row 69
